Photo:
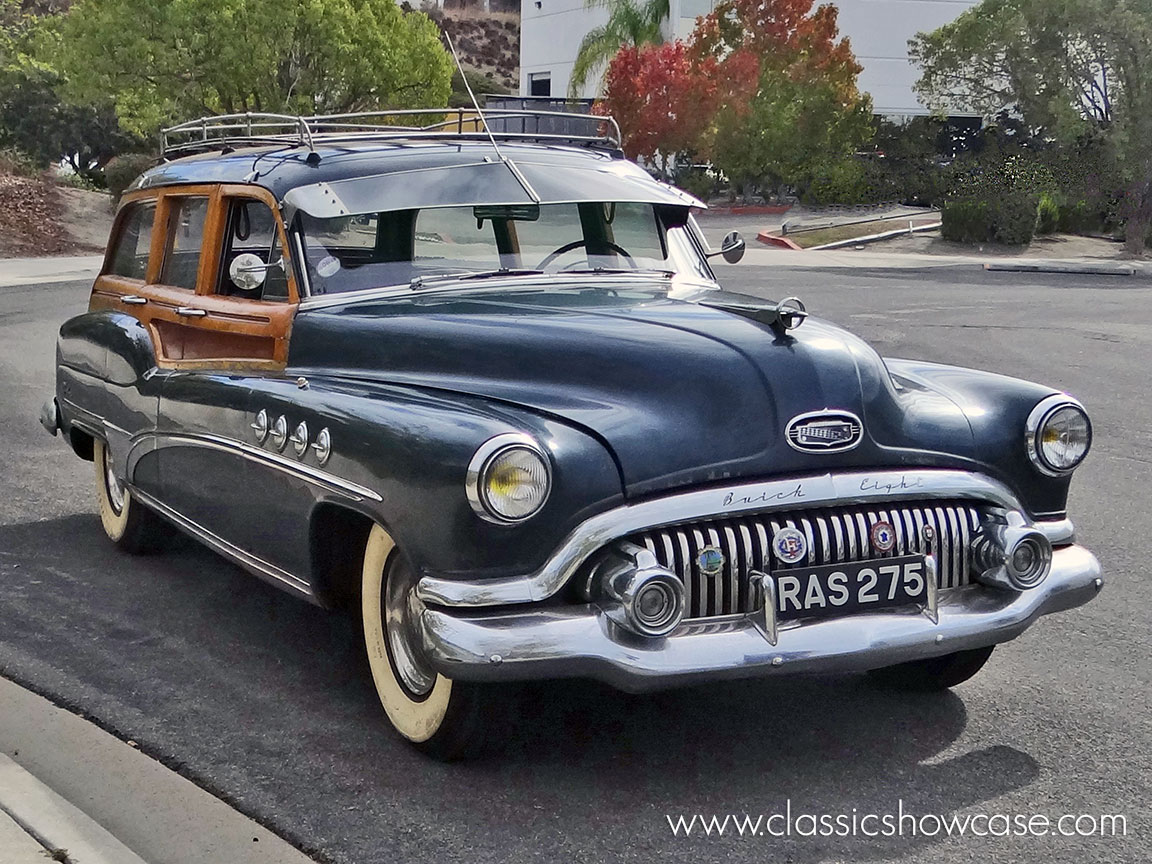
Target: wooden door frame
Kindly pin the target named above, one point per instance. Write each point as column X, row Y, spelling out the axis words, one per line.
column 256, row 331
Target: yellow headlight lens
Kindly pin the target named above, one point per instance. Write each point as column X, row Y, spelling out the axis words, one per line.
column 1064, row 438
column 515, row 483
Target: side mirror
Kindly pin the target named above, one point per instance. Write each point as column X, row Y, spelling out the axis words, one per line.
column 248, row 270
column 732, row 247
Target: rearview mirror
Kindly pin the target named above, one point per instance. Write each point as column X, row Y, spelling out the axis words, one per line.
column 248, row 270
column 732, row 247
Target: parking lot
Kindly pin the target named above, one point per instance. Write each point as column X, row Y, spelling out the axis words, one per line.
column 267, row 701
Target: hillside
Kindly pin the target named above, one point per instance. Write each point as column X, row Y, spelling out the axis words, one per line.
column 488, row 42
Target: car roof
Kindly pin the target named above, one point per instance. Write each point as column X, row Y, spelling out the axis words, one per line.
column 282, row 169
column 338, row 179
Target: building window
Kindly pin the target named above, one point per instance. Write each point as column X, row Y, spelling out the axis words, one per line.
column 540, row 84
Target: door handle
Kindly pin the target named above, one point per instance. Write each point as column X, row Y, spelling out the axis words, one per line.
column 133, row 300
column 190, row 312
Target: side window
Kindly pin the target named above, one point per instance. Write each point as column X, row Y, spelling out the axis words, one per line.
column 185, row 237
column 132, row 244
column 252, row 231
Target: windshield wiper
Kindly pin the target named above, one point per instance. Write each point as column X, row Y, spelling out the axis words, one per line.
column 615, row 271
column 421, row 281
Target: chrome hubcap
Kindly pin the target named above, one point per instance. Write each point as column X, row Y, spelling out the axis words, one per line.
column 401, row 612
column 115, row 488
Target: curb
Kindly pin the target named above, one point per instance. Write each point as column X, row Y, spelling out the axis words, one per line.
column 1071, row 269
column 776, row 240
column 877, row 238
column 55, row 823
column 162, row 816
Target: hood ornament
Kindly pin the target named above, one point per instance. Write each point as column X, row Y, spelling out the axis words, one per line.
column 786, row 315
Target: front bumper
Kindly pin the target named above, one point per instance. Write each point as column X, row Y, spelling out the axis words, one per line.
column 580, row 641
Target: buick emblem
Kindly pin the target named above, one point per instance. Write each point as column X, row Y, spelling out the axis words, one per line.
column 883, row 537
column 790, row 545
column 824, row 432
column 710, row 561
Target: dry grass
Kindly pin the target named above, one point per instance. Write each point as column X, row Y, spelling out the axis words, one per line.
column 823, row 236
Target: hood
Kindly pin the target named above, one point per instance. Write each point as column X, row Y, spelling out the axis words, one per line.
column 681, row 393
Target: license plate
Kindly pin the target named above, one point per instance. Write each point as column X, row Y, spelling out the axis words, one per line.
column 831, row 590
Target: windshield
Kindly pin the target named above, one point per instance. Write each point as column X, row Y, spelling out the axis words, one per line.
column 408, row 247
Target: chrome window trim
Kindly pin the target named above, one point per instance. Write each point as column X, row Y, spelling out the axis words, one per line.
column 160, row 440
column 791, row 494
column 544, row 280
column 1043, row 410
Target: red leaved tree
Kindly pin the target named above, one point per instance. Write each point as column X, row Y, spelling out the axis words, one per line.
column 765, row 89
column 663, row 97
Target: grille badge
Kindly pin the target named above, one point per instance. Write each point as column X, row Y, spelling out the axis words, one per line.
column 883, row 537
column 790, row 545
column 825, row 431
column 710, row 561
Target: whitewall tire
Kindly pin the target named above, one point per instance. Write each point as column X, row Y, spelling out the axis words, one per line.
column 443, row 718
column 128, row 523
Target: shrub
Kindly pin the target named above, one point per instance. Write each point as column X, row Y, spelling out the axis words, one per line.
column 121, row 171
column 1048, row 214
column 1009, row 218
column 13, row 161
column 697, row 182
column 843, row 181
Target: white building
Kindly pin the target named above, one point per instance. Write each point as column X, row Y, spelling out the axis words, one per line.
column 551, row 31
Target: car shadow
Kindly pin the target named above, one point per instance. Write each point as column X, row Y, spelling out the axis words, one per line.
column 267, row 701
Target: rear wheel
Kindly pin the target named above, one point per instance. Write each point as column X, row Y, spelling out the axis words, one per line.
column 128, row 523
column 935, row 673
column 445, row 719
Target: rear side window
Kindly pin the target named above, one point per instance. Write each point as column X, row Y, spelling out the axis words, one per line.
column 185, row 237
column 130, row 255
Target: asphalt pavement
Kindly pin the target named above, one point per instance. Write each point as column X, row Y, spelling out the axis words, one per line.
column 267, row 702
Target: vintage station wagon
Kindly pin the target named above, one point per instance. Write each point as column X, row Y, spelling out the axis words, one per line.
column 483, row 387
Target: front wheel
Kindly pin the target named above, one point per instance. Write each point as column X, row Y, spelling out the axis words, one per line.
column 128, row 523
column 935, row 673
column 445, row 719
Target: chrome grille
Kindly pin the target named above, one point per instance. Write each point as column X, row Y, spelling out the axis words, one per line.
column 834, row 536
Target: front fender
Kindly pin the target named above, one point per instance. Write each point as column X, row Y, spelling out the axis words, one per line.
column 411, row 447
column 996, row 408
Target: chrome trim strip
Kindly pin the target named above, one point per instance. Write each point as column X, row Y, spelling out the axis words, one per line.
column 257, row 566
column 788, row 494
column 289, row 466
column 544, row 280
column 574, row 641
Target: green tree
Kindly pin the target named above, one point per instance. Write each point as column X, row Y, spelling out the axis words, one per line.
column 802, row 110
column 1073, row 70
column 165, row 60
column 33, row 118
column 630, row 24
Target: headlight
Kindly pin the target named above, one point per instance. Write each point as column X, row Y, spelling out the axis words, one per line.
column 1059, row 435
column 508, row 479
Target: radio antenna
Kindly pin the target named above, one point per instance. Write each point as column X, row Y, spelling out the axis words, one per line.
column 520, row 178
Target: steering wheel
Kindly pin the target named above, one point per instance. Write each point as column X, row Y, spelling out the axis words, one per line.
column 576, row 244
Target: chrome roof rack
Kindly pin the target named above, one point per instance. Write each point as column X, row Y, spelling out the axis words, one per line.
column 229, row 131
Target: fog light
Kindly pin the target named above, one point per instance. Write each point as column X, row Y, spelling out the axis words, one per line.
column 636, row 592
column 655, row 605
column 1014, row 557
column 1028, row 560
